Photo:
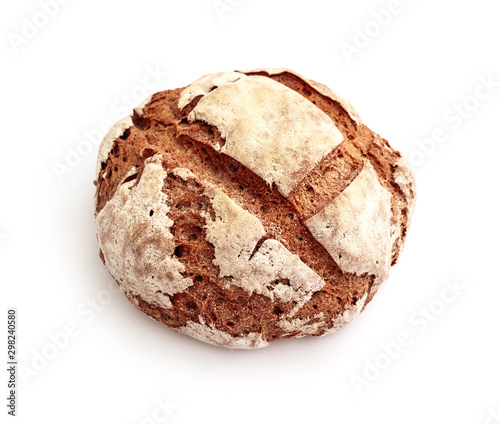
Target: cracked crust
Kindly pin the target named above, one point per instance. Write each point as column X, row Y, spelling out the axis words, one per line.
column 133, row 231
column 267, row 127
column 355, row 227
column 223, row 208
column 235, row 234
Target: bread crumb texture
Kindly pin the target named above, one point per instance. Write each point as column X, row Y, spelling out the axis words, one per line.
column 250, row 206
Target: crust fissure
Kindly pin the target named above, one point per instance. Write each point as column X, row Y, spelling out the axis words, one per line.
column 137, row 245
column 235, row 234
column 355, row 228
column 280, row 137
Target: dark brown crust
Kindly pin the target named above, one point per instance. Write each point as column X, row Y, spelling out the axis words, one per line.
column 164, row 129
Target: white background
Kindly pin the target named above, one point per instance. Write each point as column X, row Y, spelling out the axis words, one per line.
column 61, row 78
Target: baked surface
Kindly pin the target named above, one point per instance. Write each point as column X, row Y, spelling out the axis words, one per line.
column 250, row 206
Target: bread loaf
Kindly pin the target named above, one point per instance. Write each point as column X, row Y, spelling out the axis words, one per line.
column 250, row 206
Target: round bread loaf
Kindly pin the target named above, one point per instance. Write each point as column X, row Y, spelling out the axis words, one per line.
column 250, row 206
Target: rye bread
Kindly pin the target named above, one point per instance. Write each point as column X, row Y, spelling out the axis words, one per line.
column 250, row 206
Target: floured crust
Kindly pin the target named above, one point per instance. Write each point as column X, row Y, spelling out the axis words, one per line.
column 235, row 233
column 321, row 88
column 405, row 179
column 205, row 84
column 250, row 206
column 107, row 144
column 267, row 127
column 210, row 334
column 136, row 244
column 141, row 107
column 184, row 173
column 355, row 227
